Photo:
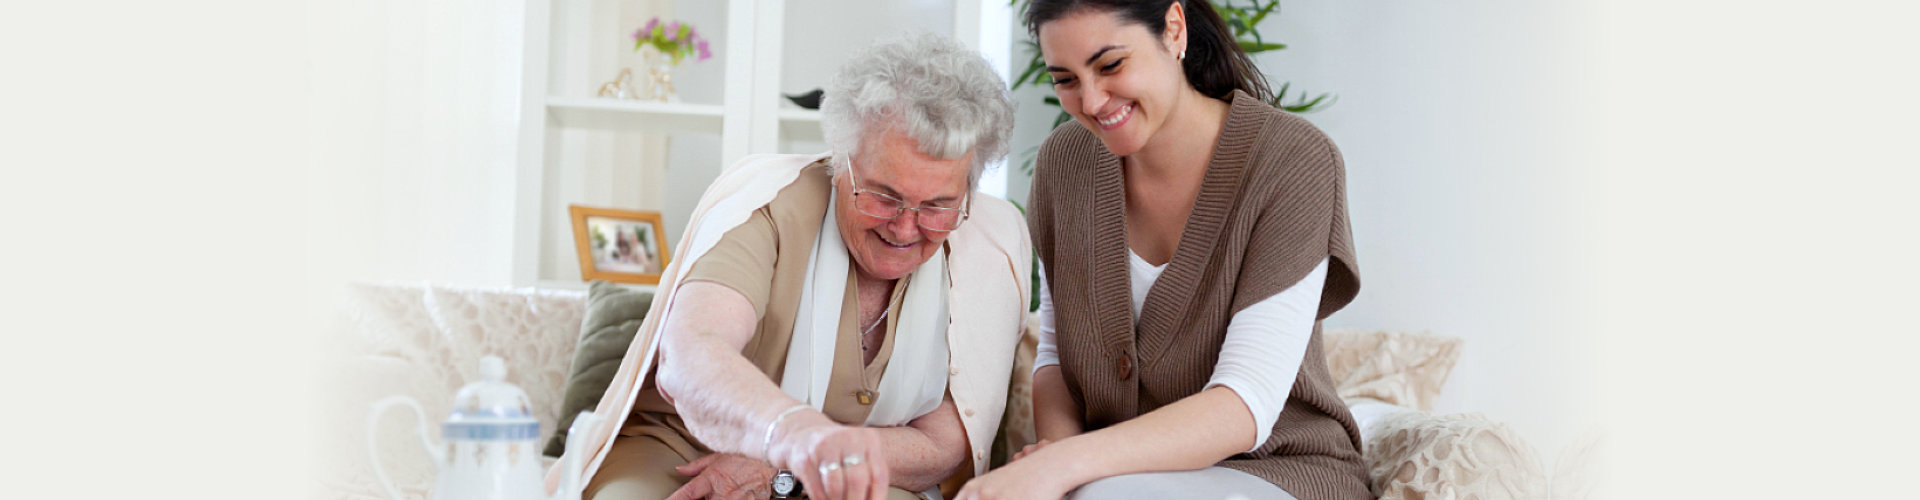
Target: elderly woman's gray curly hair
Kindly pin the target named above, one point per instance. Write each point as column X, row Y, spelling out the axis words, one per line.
column 937, row 91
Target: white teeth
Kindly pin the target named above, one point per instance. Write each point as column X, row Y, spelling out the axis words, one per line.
column 1117, row 117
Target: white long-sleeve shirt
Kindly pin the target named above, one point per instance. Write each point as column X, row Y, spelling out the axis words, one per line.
column 1262, row 352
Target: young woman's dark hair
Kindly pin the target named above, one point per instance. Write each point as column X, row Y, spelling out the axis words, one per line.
column 1215, row 63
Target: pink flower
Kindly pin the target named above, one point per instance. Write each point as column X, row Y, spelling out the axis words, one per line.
column 673, row 31
column 654, row 23
column 702, row 47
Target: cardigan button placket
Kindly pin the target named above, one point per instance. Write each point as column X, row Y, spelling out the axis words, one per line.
column 1126, row 366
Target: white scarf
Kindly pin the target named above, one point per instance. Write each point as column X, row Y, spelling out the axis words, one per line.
column 915, row 380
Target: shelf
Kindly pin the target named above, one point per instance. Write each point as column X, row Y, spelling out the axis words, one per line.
column 643, row 116
column 801, row 125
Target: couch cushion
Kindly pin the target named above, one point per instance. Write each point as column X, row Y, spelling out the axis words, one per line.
column 1413, row 454
column 613, row 317
column 1405, row 369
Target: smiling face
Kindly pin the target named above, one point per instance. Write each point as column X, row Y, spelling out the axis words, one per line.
column 1116, row 77
column 891, row 163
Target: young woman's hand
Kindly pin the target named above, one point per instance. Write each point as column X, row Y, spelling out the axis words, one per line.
column 1028, row 478
column 1029, row 449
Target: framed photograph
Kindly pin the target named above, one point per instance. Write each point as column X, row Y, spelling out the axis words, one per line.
column 622, row 246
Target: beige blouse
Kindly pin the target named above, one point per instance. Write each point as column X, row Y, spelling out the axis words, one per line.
column 765, row 259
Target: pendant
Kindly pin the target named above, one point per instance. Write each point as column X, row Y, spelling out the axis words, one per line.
column 864, row 396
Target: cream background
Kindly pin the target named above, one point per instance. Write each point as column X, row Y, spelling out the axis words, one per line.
column 1747, row 181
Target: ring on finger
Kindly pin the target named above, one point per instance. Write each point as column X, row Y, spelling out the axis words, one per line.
column 852, row 460
column 829, row 468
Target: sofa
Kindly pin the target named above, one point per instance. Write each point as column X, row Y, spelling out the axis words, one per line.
column 425, row 341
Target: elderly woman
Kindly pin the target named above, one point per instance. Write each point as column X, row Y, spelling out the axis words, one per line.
column 843, row 321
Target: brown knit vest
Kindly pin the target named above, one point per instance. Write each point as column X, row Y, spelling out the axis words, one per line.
column 1271, row 207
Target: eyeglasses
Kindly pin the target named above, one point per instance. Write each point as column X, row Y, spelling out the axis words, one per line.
column 875, row 204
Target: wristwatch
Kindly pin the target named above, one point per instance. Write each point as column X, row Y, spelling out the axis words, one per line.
column 786, row 486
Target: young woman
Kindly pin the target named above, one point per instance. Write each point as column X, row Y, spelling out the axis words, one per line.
column 1192, row 238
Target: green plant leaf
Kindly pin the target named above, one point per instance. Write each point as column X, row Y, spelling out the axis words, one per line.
column 1261, row 13
column 1255, row 47
column 1026, row 75
column 1305, row 105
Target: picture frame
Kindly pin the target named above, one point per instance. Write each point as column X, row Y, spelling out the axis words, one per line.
column 621, row 246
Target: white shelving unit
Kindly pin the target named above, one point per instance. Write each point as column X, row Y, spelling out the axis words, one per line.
column 612, row 114
column 748, row 119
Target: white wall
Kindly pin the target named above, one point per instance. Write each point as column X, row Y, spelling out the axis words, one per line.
column 416, row 105
column 1458, row 122
column 1462, row 124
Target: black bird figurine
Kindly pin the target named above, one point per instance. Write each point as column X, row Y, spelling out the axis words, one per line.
column 809, row 100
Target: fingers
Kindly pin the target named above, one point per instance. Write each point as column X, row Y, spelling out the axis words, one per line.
column 698, row 465
column 699, row 487
column 877, row 489
column 876, row 466
column 1029, row 449
column 854, row 477
column 804, row 468
column 970, row 491
column 1024, row 451
column 741, row 493
column 833, row 477
column 841, row 462
column 858, row 475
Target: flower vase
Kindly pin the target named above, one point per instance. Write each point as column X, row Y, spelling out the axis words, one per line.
column 659, row 81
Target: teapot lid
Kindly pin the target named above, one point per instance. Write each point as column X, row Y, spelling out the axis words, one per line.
column 491, row 409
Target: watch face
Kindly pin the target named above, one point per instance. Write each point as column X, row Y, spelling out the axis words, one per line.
column 783, row 484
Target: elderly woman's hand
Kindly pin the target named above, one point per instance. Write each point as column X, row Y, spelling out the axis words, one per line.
column 833, row 461
column 725, row 476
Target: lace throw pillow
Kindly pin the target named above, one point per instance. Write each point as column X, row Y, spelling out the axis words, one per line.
column 1413, row 455
column 1403, row 369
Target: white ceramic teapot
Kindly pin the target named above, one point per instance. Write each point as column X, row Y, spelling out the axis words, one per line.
column 491, row 443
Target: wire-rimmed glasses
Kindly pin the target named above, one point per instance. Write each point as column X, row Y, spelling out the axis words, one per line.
column 879, row 205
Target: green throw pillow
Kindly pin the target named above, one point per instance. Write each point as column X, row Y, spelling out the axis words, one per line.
column 613, row 316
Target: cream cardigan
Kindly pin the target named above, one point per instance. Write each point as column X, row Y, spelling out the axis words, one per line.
column 989, row 264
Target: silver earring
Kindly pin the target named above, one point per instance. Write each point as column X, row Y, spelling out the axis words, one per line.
column 1183, row 54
